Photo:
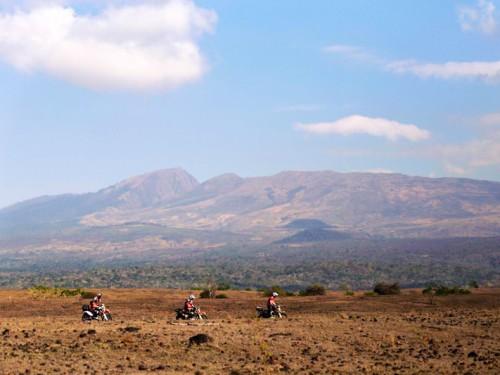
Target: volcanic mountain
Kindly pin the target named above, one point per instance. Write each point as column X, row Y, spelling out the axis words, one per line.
column 171, row 209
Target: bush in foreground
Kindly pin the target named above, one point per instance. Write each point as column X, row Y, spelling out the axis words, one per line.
column 313, row 290
column 441, row 290
column 473, row 284
column 278, row 289
column 223, row 286
column 46, row 292
column 384, row 289
column 207, row 293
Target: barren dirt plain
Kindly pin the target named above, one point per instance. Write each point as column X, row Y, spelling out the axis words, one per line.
column 329, row 334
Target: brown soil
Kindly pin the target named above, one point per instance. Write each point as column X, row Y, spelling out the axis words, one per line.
column 323, row 335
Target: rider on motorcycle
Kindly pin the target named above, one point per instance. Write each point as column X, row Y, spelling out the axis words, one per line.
column 271, row 303
column 94, row 305
column 99, row 299
column 189, row 306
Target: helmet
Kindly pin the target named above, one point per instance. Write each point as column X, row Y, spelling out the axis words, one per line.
column 99, row 295
column 275, row 294
column 191, row 297
column 95, row 298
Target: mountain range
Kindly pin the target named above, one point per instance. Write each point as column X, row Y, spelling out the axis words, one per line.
column 170, row 209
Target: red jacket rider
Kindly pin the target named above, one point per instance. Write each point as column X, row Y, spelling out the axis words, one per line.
column 189, row 303
column 94, row 305
column 271, row 302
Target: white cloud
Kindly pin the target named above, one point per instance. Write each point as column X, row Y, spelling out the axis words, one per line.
column 488, row 71
column 352, row 52
column 149, row 46
column 378, row 127
column 482, row 152
column 490, row 119
column 477, row 153
column 480, row 17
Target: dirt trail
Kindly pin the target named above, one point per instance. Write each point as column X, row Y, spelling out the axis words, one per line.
column 324, row 335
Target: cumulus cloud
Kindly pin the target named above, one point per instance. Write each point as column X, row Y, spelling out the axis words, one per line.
column 488, row 71
column 480, row 17
column 141, row 46
column 377, row 127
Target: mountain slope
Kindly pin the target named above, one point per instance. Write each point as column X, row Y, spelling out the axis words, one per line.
column 381, row 204
column 269, row 208
column 147, row 190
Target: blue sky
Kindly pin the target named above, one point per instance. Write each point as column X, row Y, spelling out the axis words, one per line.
column 91, row 93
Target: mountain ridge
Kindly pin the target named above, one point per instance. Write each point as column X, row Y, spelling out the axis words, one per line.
column 390, row 205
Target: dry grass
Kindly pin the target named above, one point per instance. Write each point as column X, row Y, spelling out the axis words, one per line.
column 324, row 335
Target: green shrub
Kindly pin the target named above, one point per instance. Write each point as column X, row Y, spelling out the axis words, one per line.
column 346, row 289
column 223, row 286
column 473, row 284
column 275, row 288
column 222, row 295
column 206, row 293
column 45, row 291
column 69, row 292
column 442, row 290
column 86, row 294
column 313, row 290
column 384, row 289
column 370, row 294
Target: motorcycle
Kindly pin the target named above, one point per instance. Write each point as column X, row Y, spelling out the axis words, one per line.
column 195, row 314
column 276, row 313
column 101, row 313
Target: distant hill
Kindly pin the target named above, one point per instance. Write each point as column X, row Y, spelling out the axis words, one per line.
column 314, row 235
column 307, row 224
column 170, row 209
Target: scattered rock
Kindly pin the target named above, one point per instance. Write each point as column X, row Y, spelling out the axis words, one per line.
column 130, row 329
column 199, row 339
column 472, row 354
column 280, row 334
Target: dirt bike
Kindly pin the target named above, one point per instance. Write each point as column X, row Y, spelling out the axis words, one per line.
column 101, row 313
column 195, row 314
column 276, row 313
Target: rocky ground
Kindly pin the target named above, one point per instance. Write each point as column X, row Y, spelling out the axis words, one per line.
column 402, row 334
